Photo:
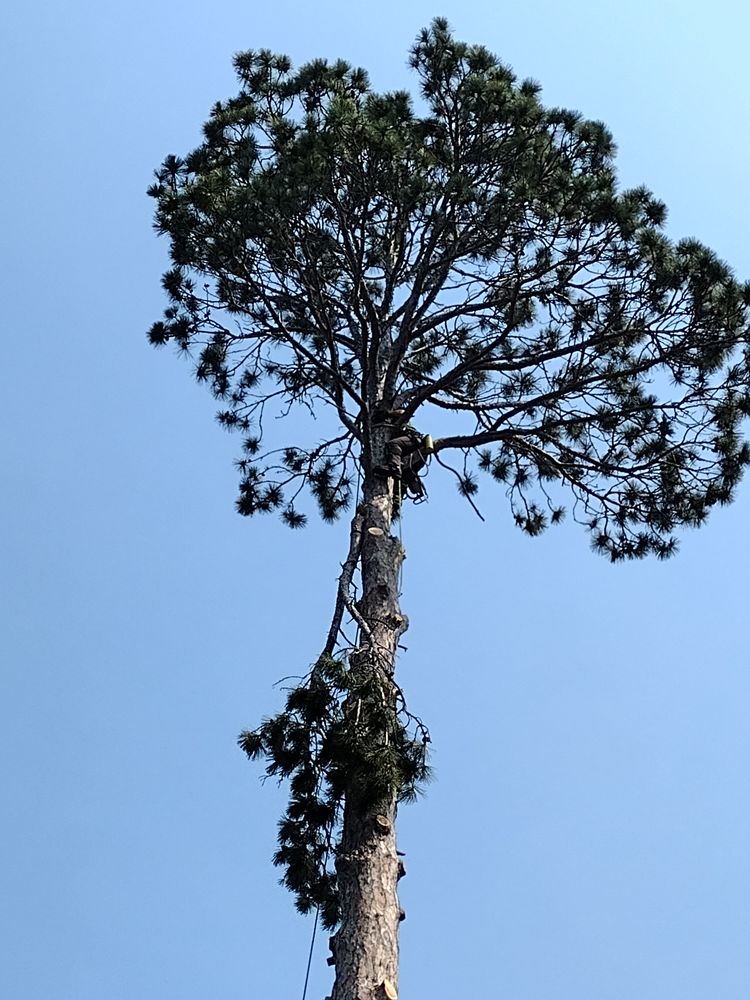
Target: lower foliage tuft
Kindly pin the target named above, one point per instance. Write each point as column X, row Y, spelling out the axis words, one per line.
column 341, row 729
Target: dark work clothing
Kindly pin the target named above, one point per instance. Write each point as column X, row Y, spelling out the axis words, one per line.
column 405, row 456
column 398, row 448
column 404, row 451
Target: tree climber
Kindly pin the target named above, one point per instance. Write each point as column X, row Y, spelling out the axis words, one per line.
column 406, row 452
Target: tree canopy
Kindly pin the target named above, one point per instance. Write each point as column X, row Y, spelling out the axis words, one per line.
column 468, row 251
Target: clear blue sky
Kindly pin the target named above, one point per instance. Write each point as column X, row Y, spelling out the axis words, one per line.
column 588, row 835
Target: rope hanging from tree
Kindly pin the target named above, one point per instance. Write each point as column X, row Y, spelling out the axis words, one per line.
column 310, row 954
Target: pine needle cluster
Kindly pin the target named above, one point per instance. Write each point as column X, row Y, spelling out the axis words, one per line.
column 334, row 248
column 468, row 255
column 341, row 729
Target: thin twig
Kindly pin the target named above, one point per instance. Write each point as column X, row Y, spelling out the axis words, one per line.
column 460, row 480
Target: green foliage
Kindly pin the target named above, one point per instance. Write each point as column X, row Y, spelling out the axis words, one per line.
column 334, row 248
column 341, row 730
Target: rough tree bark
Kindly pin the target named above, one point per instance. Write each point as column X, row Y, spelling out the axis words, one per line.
column 366, row 945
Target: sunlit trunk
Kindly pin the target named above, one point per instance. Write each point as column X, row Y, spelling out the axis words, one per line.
column 366, row 947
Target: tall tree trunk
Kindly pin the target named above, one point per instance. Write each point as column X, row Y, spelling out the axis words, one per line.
column 366, row 943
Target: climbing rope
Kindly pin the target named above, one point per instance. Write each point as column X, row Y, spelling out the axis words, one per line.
column 315, row 927
column 359, row 481
column 400, row 534
column 309, row 957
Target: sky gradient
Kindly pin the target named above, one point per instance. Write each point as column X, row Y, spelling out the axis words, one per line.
column 588, row 833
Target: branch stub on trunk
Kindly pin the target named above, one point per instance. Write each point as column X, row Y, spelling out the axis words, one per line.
column 389, row 990
column 382, row 824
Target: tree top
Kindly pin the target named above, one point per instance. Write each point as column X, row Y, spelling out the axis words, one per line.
column 341, row 252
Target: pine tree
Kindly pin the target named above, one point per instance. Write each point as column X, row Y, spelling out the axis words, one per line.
column 367, row 258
